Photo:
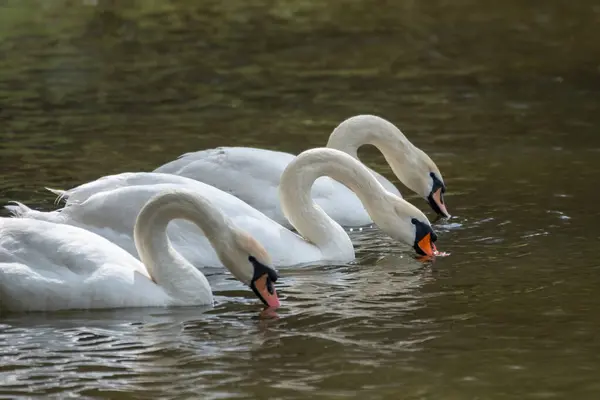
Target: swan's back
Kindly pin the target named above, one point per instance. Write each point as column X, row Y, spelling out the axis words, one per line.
column 81, row 193
column 47, row 266
column 244, row 172
column 253, row 175
column 112, row 214
column 261, row 163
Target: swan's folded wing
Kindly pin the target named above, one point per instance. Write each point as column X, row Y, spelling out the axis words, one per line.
column 249, row 174
column 253, row 175
column 46, row 266
column 112, row 214
column 60, row 249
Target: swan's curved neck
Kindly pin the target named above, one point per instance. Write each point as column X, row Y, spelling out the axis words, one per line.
column 305, row 215
column 357, row 131
column 164, row 264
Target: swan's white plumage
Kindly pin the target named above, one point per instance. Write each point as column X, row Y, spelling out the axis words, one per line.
column 253, row 175
column 46, row 266
column 112, row 210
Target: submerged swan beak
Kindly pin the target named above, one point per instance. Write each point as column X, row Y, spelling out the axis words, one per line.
column 425, row 238
column 262, row 284
column 436, row 197
column 425, row 246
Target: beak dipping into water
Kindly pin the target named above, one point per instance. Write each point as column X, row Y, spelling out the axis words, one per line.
column 425, row 238
column 264, row 289
column 262, row 283
column 425, row 246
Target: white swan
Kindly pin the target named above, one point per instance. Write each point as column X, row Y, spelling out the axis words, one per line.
column 109, row 212
column 253, row 175
column 46, row 266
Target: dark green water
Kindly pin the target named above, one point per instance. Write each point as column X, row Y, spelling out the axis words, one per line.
column 505, row 97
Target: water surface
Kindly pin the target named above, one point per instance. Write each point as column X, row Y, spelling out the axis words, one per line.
column 505, row 98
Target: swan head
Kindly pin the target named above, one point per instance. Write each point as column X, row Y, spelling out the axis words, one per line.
column 425, row 179
column 250, row 263
column 408, row 224
column 413, row 167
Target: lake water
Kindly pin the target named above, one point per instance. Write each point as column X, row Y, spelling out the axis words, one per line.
column 505, row 97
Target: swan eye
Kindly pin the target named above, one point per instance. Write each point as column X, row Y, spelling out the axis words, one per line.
column 252, row 259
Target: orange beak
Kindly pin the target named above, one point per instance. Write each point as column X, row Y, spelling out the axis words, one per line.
column 427, row 246
column 265, row 291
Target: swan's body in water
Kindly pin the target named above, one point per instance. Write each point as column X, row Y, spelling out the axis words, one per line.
column 46, row 266
column 109, row 204
column 253, row 175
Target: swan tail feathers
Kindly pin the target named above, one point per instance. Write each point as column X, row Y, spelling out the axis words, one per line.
column 61, row 195
column 20, row 210
column 17, row 209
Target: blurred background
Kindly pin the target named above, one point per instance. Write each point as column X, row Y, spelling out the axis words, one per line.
column 504, row 97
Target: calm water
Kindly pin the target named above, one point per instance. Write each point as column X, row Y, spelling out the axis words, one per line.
column 505, row 98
